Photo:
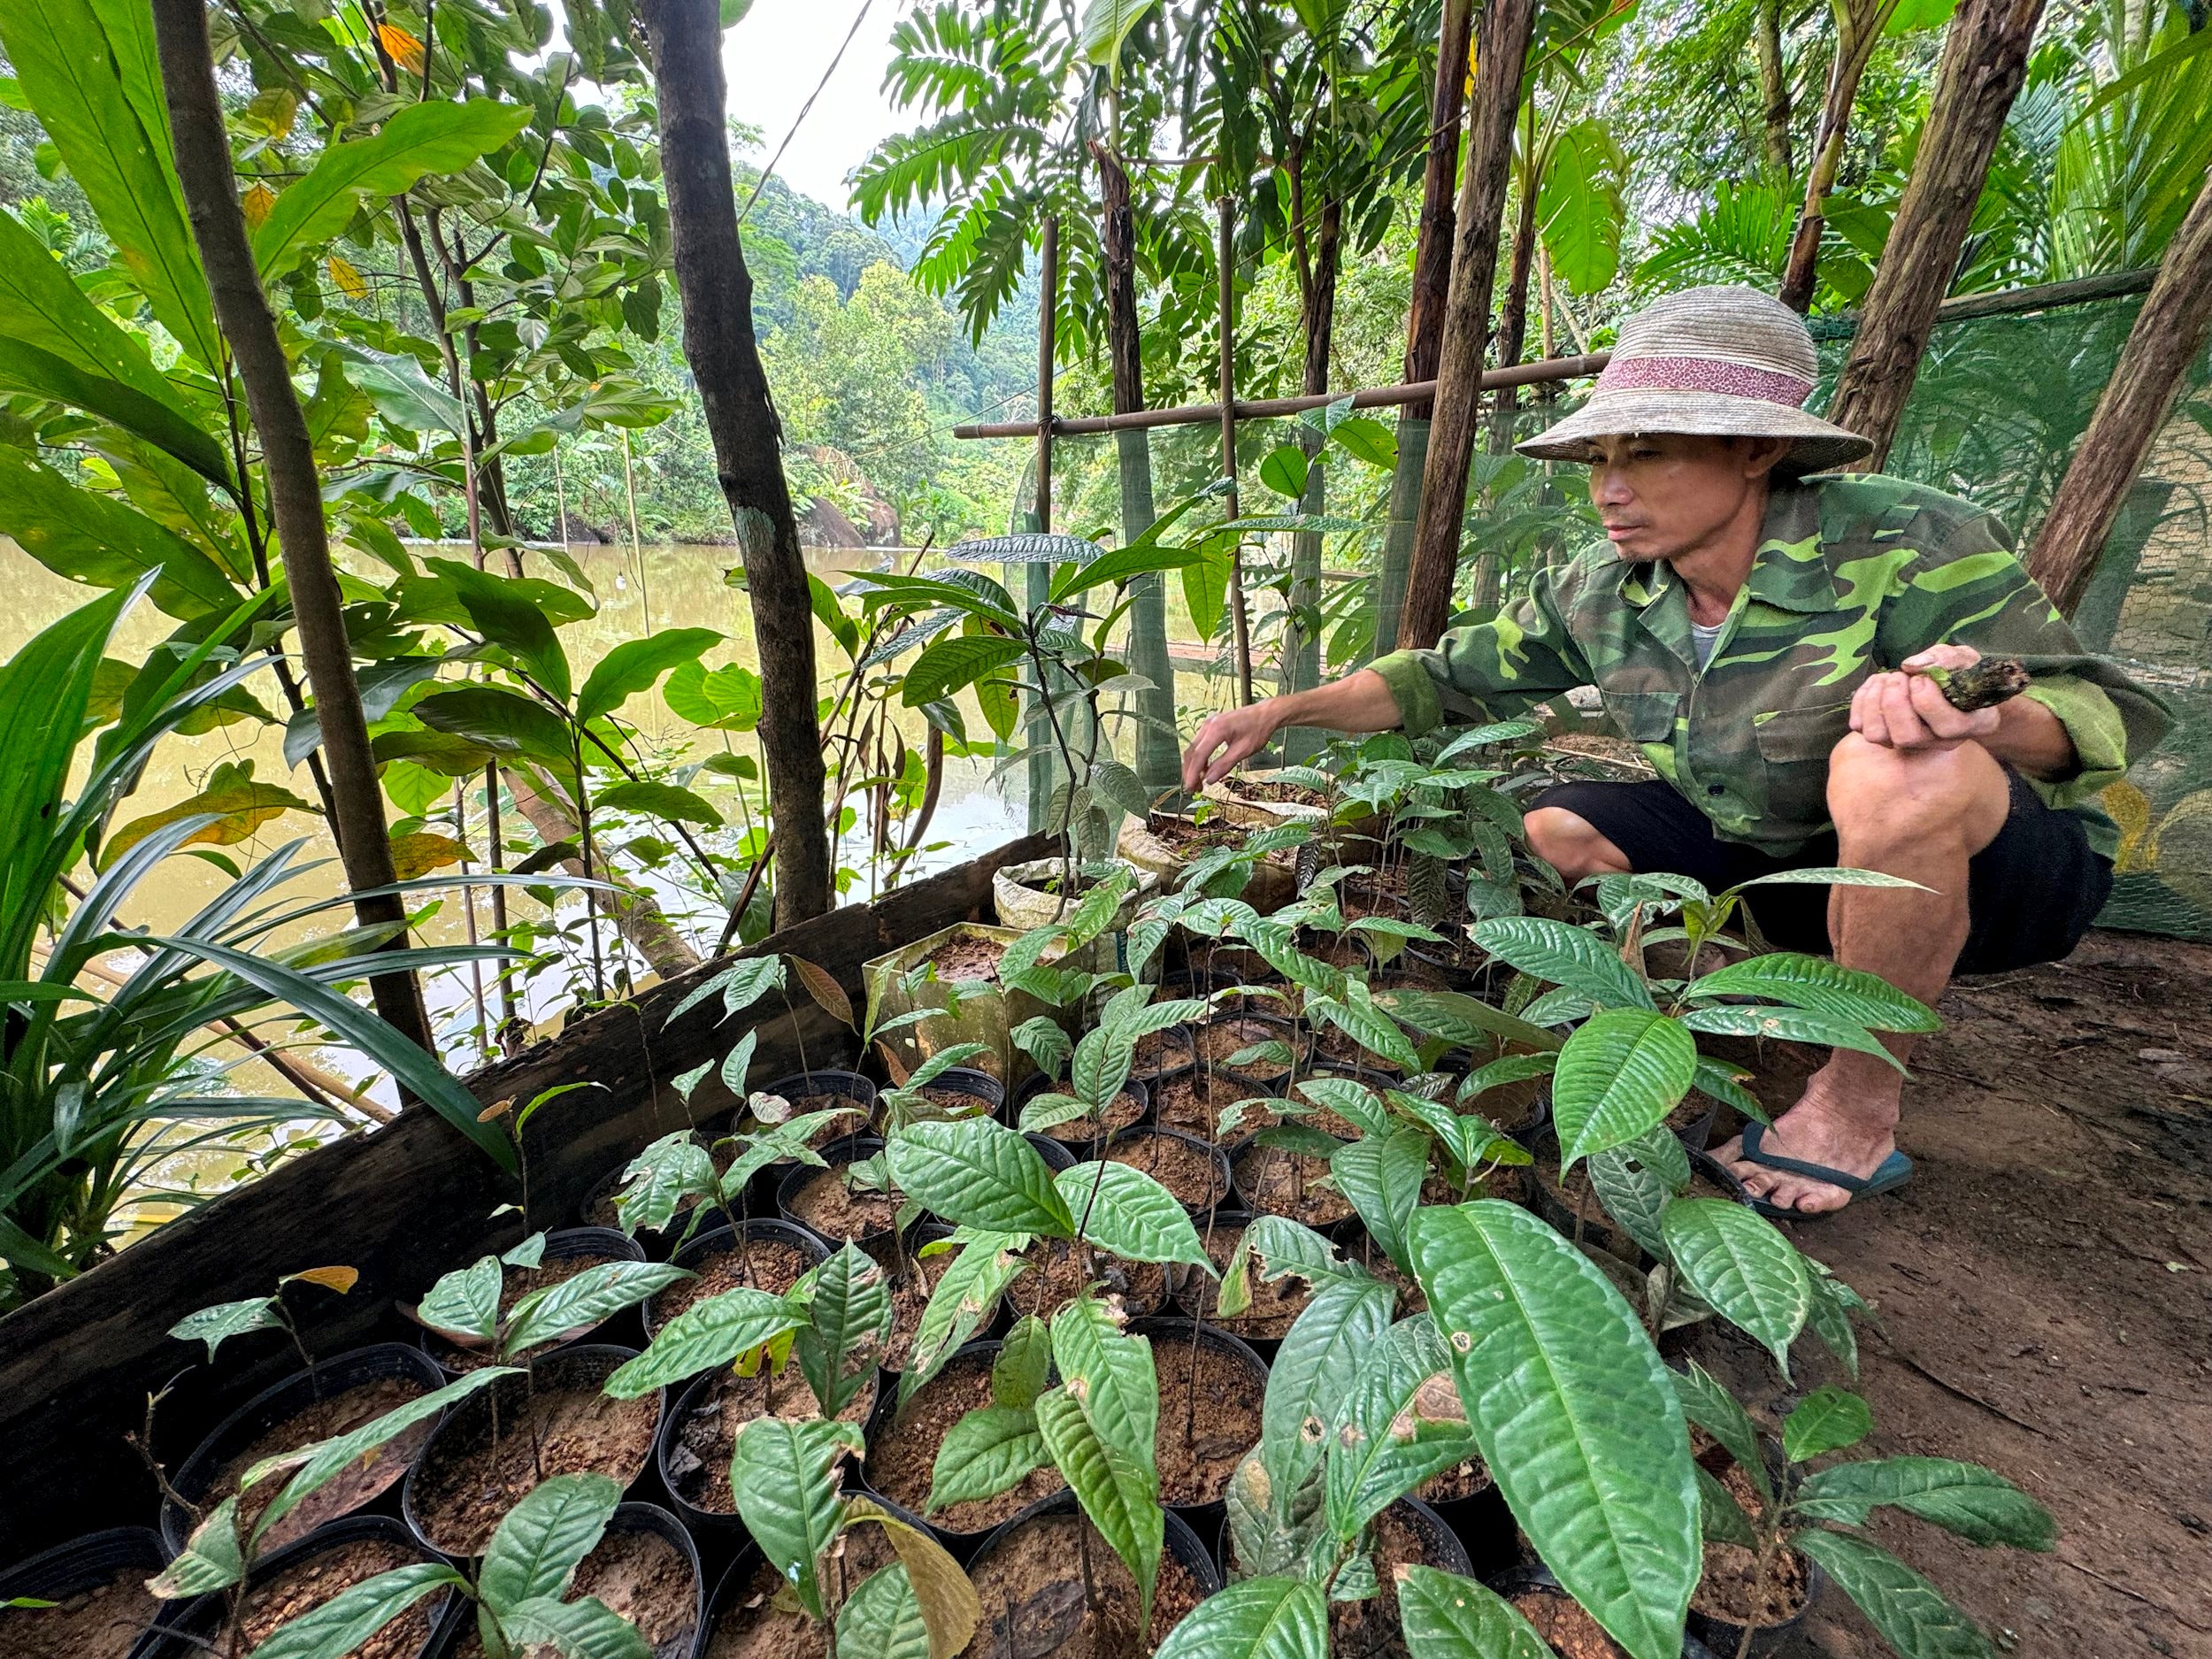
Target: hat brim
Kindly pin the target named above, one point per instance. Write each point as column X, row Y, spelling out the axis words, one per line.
column 1816, row 445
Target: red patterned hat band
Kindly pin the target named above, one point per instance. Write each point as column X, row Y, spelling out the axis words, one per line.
column 1704, row 374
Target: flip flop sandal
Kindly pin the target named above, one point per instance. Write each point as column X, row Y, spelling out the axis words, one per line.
column 1895, row 1170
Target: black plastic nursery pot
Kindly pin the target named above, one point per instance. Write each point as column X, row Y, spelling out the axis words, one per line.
column 1196, row 1173
column 741, row 1616
column 965, row 1092
column 1275, row 1308
column 902, row 1448
column 504, row 1439
column 1536, row 1596
column 597, row 1210
column 818, row 1200
column 770, row 1254
column 585, row 1245
column 1081, row 1135
column 294, row 1580
column 338, row 1396
column 1724, row 1636
column 102, row 1608
column 1160, row 1053
column 698, row 1437
column 1056, row 1276
column 1206, row 1430
column 631, row 1569
column 1191, row 1102
column 1023, row 1615
column 1408, row 1533
column 1229, row 1034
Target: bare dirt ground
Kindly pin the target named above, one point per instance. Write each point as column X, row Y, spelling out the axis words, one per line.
column 2044, row 1289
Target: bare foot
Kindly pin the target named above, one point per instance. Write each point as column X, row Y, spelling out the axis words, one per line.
column 1843, row 1127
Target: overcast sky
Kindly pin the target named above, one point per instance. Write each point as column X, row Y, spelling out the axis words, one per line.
column 774, row 60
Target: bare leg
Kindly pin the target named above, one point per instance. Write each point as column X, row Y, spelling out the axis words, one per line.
column 1572, row 845
column 1921, row 814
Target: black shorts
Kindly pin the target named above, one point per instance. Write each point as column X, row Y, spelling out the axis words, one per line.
column 2031, row 893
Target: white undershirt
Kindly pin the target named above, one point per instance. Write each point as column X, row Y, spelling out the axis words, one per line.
column 1703, row 640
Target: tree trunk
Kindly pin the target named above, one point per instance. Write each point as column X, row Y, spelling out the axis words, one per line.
column 636, row 917
column 295, row 501
column 1503, row 52
column 1774, row 86
column 1513, row 320
column 1158, row 759
column 716, row 291
column 1858, row 32
column 1044, row 761
column 1985, row 61
column 1425, row 322
column 1302, row 648
column 2168, row 332
column 1240, row 618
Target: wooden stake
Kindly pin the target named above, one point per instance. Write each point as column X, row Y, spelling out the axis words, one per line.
column 1240, row 619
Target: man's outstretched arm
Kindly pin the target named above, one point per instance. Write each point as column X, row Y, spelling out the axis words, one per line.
column 1358, row 702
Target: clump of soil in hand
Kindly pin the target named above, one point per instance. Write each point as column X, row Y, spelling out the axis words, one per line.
column 504, row 1441
column 838, row 1212
column 307, row 1584
column 1566, row 1629
column 360, row 1484
column 1275, row 1308
column 1275, row 793
column 1188, row 1172
column 1370, row 1629
column 516, row 1282
column 1123, row 1110
column 699, row 1461
column 958, row 1103
column 904, row 1456
column 1200, row 1438
column 1034, row 1602
column 1187, row 840
column 1227, row 1034
column 640, row 1577
column 103, row 1622
column 1277, row 1181
column 968, row 958
column 1159, row 1051
column 752, row 1627
column 771, row 1264
column 1731, row 1590
column 1056, row 1276
column 910, row 1290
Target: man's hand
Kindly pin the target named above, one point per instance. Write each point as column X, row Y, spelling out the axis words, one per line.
column 1225, row 741
column 1907, row 712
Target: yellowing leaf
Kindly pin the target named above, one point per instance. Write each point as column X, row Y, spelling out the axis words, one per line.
column 272, row 112
column 240, row 806
column 258, row 201
column 418, row 855
column 340, row 1279
column 405, row 49
column 2130, row 808
column 350, row 280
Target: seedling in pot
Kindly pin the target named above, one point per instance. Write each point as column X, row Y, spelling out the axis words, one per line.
column 217, row 1324
column 1804, row 1512
column 463, row 1307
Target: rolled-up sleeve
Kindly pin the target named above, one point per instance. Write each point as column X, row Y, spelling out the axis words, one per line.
column 1488, row 671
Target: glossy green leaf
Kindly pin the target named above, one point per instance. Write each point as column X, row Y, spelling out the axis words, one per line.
column 1105, row 26
column 218, row 1324
column 1912, row 1616
column 540, row 1541
column 634, row 666
column 1560, row 955
column 1367, row 1025
column 584, row 1629
column 990, row 1450
column 1622, row 1071
column 31, row 370
column 1823, row 985
column 463, row 1304
column 211, row 1558
column 659, row 1179
column 41, row 305
column 1788, row 1025
column 1117, row 1486
column 882, row 1619
column 979, row 1173
column 1114, row 1373
column 344, row 1623
column 784, row 1475
column 965, row 1299
column 436, row 136
column 1720, row 1517
column 1130, row 1214
column 949, row 1607
column 1637, row 1181
column 87, row 537
column 1459, row 1018
column 1447, row 1616
column 1124, row 564
column 1574, row 1413
column 955, row 662
column 711, row 1332
column 1579, row 205
column 659, row 799
column 1978, row 1504
column 503, row 721
column 722, row 699
column 1741, row 1267
column 849, row 1328
column 1713, row 1408
column 1023, row 1364
column 1826, row 1420
column 1283, row 470
column 578, row 1303
column 1260, row 1618
column 1313, row 1373
column 502, row 612
column 1401, row 1421
column 1381, row 1176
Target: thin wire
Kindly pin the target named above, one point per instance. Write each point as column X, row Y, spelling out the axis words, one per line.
column 767, row 173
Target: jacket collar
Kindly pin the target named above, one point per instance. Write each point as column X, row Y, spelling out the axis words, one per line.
column 1790, row 571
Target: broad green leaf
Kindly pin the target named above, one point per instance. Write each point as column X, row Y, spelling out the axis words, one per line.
column 1101, row 1066
column 1381, row 1176
column 1124, row 564
column 541, row 1540
column 965, row 1299
column 211, row 1558
column 955, row 662
column 464, row 1303
column 1023, row 1364
column 1978, row 1504
column 1833, row 1304
column 1114, row 1372
column 1788, row 1025
column 1574, row 1413
column 1826, row 1420
column 218, row 1324
column 29, row 369
column 659, row 1178
column 1401, row 1421
column 979, row 1173
column 87, row 537
column 436, row 136
column 344, row 1622
column 1741, row 1266
column 1636, row 1181
column 1622, row 1071
column 1720, row 1517
column 1447, row 1616
column 1260, row 1618
column 986, row 1452
column 1106, row 25
column 656, row 799
column 1313, row 1373
column 1822, row 985
column 784, row 1475
column 1113, row 1481
column 1560, row 955
column 1283, row 469
column 951, row 1609
column 1367, row 1025
column 723, row 699
column 585, row 1629
column 1912, row 1616
column 1713, row 1408
column 710, row 1332
column 1723, row 1082
column 882, row 1619
column 1579, row 205
column 40, row 301
column 1130, row 1214
column 1042, row 1040
column 501, row 611
column 636, row 665
column 579, row 1303
column 850, row 1322
column 503, row 721
column 1459, row 1018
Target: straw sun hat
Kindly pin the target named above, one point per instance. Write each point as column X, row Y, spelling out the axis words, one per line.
column 1718, row 361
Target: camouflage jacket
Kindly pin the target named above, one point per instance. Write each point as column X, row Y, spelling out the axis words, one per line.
column 1854, row 572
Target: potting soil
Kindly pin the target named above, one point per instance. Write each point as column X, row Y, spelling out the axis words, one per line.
column 1187, row 1170
column 302, row 1588
column 771, row 1264
column 1275, row 1307
column 1566, row 1629
column 357, row 1484
column 1276, row 1181
column 903, row 1458
column 515, row 1284
column 104, row 1621
column 838, row 1212
column 910, row 1298
column 1034, row 1602
column 699, row 1461
column 1055, row 1276
column 1732, row 1589
column 1201, row 1434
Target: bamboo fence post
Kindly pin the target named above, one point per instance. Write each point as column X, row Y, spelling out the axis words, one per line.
column 1240, row 618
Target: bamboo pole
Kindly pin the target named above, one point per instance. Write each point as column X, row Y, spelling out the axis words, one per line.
column 1240, row 619
column 1037, row 578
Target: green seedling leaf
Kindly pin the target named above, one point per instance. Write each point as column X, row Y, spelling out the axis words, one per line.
column 1401, row 1423
column 345, row 1623
column 1622, row 1071
column 583, row 1629
column 1024, row 1364
column 950, row 1610
column 1447, row 1616
column 577, row 1304
column 541, row 1540
column 659, row 1179
column 965, row 1299
column 1720, row 1517
column 979, row 1174
column 784, row 1475
column 1826, row 1420
column 883, row 1620
column 211, row 1559
column 1564, row 955
column 849, row 1330
column 1788, row 1025
column 991, row 1450
column 1912, row 1616
column 1978, row 1504
column 1130, row 1214
column 216, row 1325
column 1113, row 1480
column 1821, row 986
column 1743, row 1268
column 715, row 1332
column 463, row 1306
column 1313, row 1373
column 1713, row 1408
column 527, row 1255
column 1273, row 1617
column 1381, row 1176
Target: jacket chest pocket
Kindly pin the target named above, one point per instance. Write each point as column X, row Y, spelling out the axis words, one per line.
column 1793, row 749
column 1643, row 717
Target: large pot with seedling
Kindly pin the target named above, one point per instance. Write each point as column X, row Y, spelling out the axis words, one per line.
column 1048, row 892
